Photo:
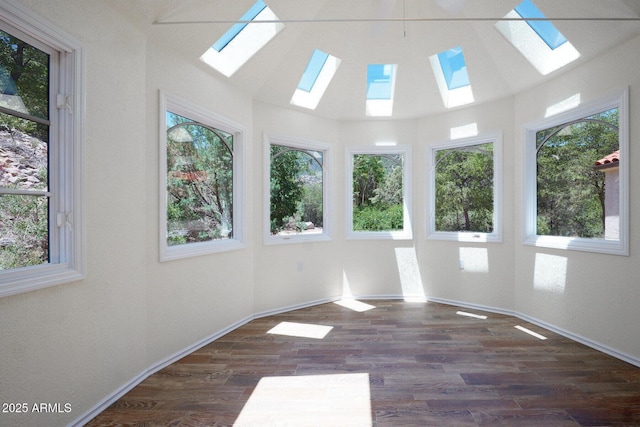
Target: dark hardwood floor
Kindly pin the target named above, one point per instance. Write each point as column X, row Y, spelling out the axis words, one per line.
column 398, row 364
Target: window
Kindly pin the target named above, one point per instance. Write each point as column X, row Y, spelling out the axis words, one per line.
column 315, row 80
column 296, row 188
column 41, row 112
column 381, row 82
column 450, row 70
column 537, row 39
column 201, row 185
column 466, row 183
column 379, row 189
column 577, row 179
column 243, row 40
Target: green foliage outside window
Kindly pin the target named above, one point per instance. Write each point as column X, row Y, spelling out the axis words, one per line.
column 570, row 192
column 378, row 192
column 24, row 165
column 464, row 189
column 296, row 188
column 199, row 182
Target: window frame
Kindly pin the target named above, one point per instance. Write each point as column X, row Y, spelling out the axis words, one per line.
column 407, row 191
column 302, row 144
column 170, row 102
column 496, row 235
column 66, row 174
column 618, row 100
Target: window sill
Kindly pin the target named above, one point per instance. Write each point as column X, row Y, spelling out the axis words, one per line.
column 466, row 237
column 170, row 253
column 29, row 279
column 602, row 246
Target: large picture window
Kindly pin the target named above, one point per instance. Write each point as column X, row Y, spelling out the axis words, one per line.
column 379, row 188
column 296, row 188
column 466, row 182
column 200, row 194
column 577, row 177
column 41, row 215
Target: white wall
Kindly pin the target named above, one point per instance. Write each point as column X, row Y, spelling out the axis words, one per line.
column 600, row 294
column 76, row 343
column 80, row 342
column 278, row 279
column 491, row 286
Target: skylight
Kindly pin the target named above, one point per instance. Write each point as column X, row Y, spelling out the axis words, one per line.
column 316, row 78
column 243, row 40
column 538, row 40
column 545, row 29
column 450, row 70
column 381, row 81
column 454, row 68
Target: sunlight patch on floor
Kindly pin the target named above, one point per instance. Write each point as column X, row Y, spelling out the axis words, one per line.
column 303, row 330
column 314, row 400
column 530, row 332
column 355, row 305
column 475, row 316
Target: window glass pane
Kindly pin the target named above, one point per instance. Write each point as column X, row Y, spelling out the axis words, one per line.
column 235, row 29
column 454, row 68
column 464, row 189
column 24, row 77
column 576, row 196
column 24, row 237
column 311, row 73
column 199, row 182
column 545, row 29
column 296, row 188
column 23, row 154
column 377, row 192
column 380, row 79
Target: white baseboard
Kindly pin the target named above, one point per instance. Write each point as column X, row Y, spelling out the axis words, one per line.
column 578, row 338
column 122, row 390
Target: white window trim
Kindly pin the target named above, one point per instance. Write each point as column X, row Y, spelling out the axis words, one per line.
column 530, row 236
column 406, row 233
column 169, row 102
column 463, row 236
column 66, row 138
column 303, row 144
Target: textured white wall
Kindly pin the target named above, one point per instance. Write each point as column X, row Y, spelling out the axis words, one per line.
column 490, row 282
column 591, row 295
column 78, row 342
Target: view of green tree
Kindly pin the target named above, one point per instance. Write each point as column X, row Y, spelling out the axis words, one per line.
column 464, row 188
column 570, row 192
column 296, row 188
column 199, row 182
column 377, row 192
column 24, row 216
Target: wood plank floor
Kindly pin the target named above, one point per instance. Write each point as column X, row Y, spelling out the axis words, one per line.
column 398, row 364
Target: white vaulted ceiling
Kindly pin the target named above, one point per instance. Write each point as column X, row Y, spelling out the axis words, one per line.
column 402, row 32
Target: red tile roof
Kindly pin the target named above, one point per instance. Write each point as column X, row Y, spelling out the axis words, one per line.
column 609, row 161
